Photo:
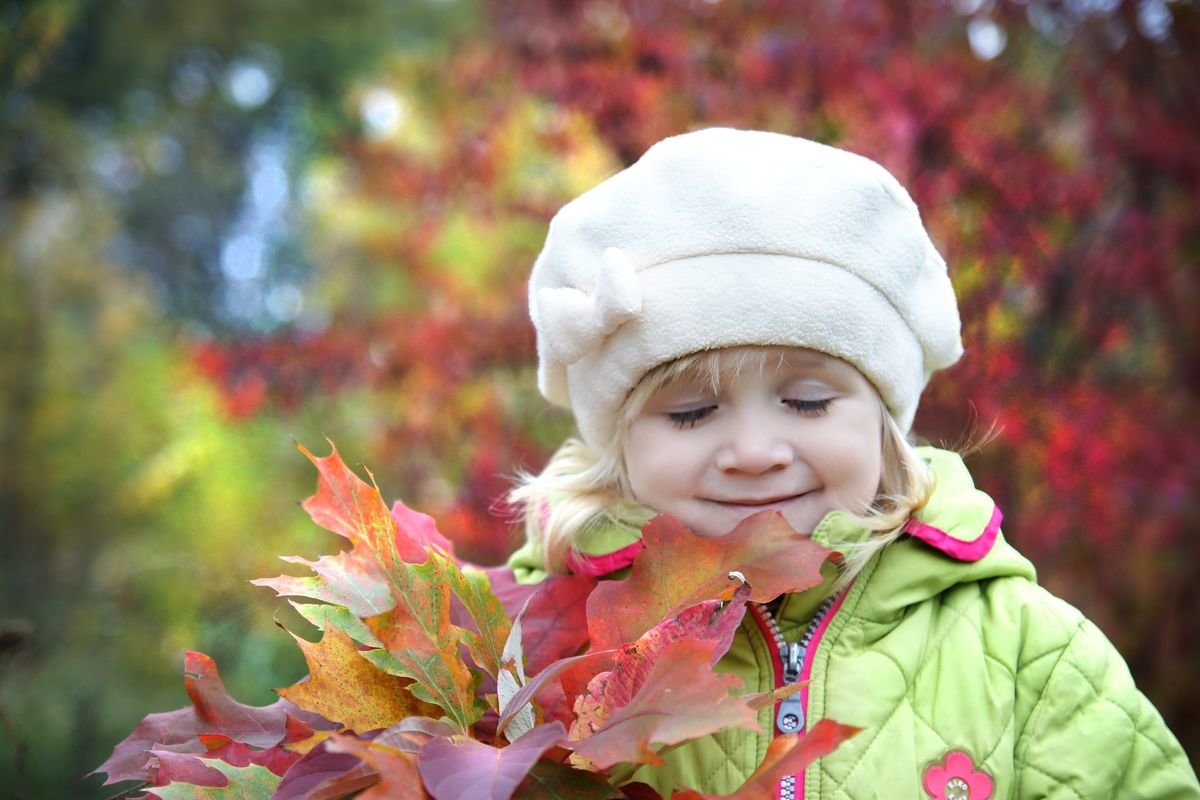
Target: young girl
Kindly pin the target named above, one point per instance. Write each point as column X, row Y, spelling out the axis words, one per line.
column 745, row 321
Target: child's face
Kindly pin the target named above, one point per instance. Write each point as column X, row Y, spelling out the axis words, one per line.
column 801, row 436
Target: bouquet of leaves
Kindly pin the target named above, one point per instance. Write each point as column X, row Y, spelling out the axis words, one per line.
column 437, row 679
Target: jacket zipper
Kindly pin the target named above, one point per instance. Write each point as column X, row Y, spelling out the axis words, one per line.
column 789, row 718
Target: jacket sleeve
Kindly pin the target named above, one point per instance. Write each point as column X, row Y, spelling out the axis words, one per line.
column 1092, row 734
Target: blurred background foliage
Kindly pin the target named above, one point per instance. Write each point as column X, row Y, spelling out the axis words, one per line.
column 225, row 226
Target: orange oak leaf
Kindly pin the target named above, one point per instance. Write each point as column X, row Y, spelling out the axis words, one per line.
column 356, row 578
column 677, row 569
column 382, row 541
column 348, row 506
column 398, row 579
column 344, row 687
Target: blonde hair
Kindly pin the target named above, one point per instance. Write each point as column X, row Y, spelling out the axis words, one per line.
column 581, row 490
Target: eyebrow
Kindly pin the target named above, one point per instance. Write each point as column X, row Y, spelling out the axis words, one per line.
column 806, row 358
column 700, row 375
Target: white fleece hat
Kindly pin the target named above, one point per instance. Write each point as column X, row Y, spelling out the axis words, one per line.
column 725, row 238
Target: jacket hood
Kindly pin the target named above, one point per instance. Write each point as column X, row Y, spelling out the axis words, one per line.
column 955, row 538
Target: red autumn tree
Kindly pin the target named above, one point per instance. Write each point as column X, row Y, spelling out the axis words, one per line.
column 1056, row 163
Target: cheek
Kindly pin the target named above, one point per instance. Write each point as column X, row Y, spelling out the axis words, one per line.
column 641, row 459
column 654, row 458
column 854, row 458
column 870, row 472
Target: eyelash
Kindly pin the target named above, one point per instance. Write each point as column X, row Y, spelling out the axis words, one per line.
column 810, row 408
column 689, row 418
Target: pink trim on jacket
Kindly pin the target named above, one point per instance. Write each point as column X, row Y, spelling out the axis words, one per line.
column 957, row 548
column 598, row 566
column 806, row 674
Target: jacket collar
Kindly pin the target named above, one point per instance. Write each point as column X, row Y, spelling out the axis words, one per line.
column 959, row 521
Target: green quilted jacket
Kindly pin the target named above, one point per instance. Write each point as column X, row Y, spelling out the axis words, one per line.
column 967, row 678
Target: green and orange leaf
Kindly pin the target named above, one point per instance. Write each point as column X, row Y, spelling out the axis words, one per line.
column 419, row 641
column 492, row 625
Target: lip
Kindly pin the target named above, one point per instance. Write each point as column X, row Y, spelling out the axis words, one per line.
column 766, row 502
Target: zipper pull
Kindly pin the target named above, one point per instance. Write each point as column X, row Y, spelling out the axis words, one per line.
column 790, row 718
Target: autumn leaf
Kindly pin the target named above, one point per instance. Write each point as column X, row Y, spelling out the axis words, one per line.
column 241, row 783
column 677, row 569
column 510, row 681
column 537, row 683
column 358, row 578
column 184, row 765
column 786, row 755
column 400, row 553
column 420, row 529
column 491, row 624
column 350, row 507
column 421, row 643
column 352, row 579
column 325, row 774
column 512, row 595
column 344, row 687
column 396, row 770
column 710, row 625
column 190, row 763
column 681, row 698
column 322, row 616
column 276, row 759
column 382, row 542
column 212, row 711
column 460, row 767
column 555, row 623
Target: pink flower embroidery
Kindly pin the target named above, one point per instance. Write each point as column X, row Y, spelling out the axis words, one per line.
column 956, row 779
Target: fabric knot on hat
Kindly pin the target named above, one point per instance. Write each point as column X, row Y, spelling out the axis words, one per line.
column 576, row 322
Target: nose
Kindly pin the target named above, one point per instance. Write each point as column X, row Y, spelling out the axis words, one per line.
column 753, row 448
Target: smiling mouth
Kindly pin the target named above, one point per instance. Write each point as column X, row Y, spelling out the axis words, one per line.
column 743, row 502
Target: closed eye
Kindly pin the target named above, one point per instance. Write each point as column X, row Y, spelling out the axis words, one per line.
column 811, row 408
column 689, row 418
